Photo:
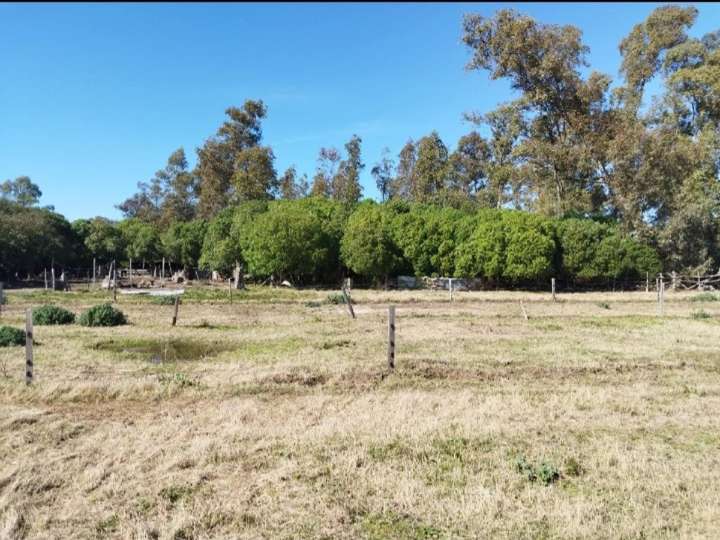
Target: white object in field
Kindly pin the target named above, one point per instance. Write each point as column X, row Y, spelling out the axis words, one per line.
column 148, row 292
column 286, row 283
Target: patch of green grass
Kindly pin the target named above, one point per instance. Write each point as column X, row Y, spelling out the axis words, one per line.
column 386, row 525
column 178, row 379
column 107, row 525
column 603, row 305
column 620, row 322
column 171, row 350
column 336, row 344
column 175, row 493
column 705, row 297
column 164, row 300
column 700, row 314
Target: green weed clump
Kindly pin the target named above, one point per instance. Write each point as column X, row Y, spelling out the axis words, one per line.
column 545, row 473
column 52, row 315
column 10, row 336
column 700, row 314
column 102, row 315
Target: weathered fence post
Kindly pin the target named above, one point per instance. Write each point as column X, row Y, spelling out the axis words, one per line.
column 45, row 277
column 52, row 277
column 94, row 267
column 451, row 289
column 348, row 301
column 28, row 347
column 661, row 298
column 175, row 315
column 522, row 307
column 114, row 283
column 162, row 273
column 131, row 276
column 647, row 282
column 673, row 285
column 391, row 337
column 552, row 285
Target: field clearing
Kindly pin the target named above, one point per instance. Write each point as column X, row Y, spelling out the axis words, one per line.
column 276, row 417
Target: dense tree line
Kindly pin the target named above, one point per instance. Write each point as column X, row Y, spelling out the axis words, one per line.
column 578, row 177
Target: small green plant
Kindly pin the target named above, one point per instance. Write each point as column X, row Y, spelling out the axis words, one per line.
column 544, row 473
column 700, row 314
column 573, row 467
column 705, row 297
column 178, row 379
column 603, row 305
column 10, row 336
column 312, row 304
column 108, row 525
column 164, row 300
column 102, row 315
column 337, row 299
column 52, row 315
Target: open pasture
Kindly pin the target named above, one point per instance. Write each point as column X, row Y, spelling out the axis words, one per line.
column 276, row 417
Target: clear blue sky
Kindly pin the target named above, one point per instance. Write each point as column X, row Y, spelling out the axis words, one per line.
column 95, row 97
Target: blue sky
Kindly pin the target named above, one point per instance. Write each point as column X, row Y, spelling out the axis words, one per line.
column 95, row 97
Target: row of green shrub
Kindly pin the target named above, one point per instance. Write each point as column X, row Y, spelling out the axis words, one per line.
column 101, row 315
column 313, row 240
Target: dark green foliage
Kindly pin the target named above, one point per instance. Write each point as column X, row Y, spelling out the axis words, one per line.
column 368, row 247
column 544, row 473
column 287, row 242
column 10, row 336
column 52, row 315
column 182, row 243
column 102, row 315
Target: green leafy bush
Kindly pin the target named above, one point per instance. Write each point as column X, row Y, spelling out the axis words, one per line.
column 544, row 473
column 102, row 315
column 10, row 336
column 51, row 315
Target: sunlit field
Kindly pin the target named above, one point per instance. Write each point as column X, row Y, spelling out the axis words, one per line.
column 275, row 416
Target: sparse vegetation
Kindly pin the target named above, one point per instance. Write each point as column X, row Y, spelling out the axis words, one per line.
column 279, row 404
column 700, row 314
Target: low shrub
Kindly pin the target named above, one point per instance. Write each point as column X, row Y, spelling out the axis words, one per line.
column 102, row 315
column 52, row 315
column 10, row 336
column 700, row 314
column 544, row 473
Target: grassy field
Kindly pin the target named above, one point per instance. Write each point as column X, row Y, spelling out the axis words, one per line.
column 275, row 417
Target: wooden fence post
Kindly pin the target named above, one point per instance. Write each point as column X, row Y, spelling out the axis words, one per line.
column 162, row 273
column 451, row 289
column 52, row 277
column 28, row 347
column 552, row 286
column 647, row 282
column 45, row 277
column 175, row 316
column 114, row 284
column 93, row 271
column 131, row 277
column 391, row 337
column 348, row 301
column 2, row 297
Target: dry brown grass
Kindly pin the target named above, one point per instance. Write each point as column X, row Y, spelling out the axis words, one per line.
column 295, row 429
